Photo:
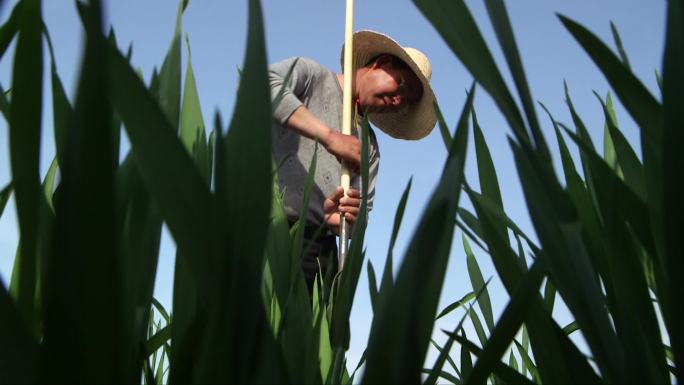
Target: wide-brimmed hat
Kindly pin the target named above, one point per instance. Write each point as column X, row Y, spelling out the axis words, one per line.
column 413, row 121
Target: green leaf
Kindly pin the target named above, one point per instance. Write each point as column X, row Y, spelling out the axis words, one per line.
column 4, row 197
column 512, row 362
column 158, row 340
column 192, row 132
column 466, row 360
column 478, row 284
column 443, row 127
column 85, row 227
column 372, row 285
column 4, row 103
column 504, row 33
column 24, row 143
column 455, row 305
column 388, row 273
column 11, row 26
column 456, row 25
column 489, row 183
column 556, row 355
column 559, row 231
column 160, row 308
column 630, row 165
column 479, row 329
column 448, row 357
column 409, row 308
column 286, row 83
column 445, row 375
column 618, row 44
column 510, row 322
column 608, row 146
column 444, row 352
column 501, row 370
column 643, row 107
column 549, row 296
column 20, row 354
column 165, row 166
column 239, row 234
column 570, row 328
column 61, row 108
column 672, row 206
column 170, row 75
column 528, row 365
column 349, row 276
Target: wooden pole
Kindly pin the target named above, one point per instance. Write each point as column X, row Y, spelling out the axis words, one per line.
column 346, row 120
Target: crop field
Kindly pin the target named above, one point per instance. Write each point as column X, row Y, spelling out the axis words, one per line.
column 79, row 305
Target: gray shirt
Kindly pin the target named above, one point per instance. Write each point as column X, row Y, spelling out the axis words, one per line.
column 316, row 88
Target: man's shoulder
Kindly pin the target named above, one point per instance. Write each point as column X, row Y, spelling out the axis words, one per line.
column 302, row 62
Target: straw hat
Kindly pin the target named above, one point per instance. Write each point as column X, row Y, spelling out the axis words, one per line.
column 414, row 121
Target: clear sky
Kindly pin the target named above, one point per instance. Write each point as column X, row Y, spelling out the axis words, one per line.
column 315, row 29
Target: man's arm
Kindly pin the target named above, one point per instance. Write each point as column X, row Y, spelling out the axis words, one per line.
column 291, row 112
column 346, row 147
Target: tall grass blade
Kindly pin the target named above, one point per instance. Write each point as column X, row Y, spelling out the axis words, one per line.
column 372, row 285
column 455, row 305
column 466, row 359
column 646, row 111
column 558, row 358
column 192, row 131
column 643, row 107
column 401, row 330
column 24, row 141
column 444, row 351
column 9, row 30
column 4, row 103
column 165, row 167
column 489, row 183
column 4, row 197
column 629, row 163
column 443, row 127
column 478, row 284
column 673, row 209
column 504, row 372
column 82, row 270
column 527, row 363
column 456, row 25
column 349, row 277
column 449, row 359
column 618, row 45
column 608, row 146
column 557, row 225
column 508, row 325
column 640, row 335
column 170, row 73
column 240, row 346
column 504, row 33
column 19, row 351
column 388, row 273
column 61, row 108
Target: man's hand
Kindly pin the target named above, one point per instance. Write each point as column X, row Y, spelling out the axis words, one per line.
column 336, row 203
column 344, row 147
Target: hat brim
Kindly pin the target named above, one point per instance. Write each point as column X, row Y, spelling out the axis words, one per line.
column 412, row 122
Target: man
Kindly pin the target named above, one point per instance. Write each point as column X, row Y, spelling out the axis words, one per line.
column 391, row 87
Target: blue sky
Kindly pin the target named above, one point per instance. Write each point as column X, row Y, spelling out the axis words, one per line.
column 315, row 29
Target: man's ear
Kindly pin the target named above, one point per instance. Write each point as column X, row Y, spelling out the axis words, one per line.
column 382, row 60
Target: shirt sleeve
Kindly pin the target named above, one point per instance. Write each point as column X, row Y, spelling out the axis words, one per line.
column 373, row 165
column 286, row 95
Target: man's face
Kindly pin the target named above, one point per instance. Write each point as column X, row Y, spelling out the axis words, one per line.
column 384, row 88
